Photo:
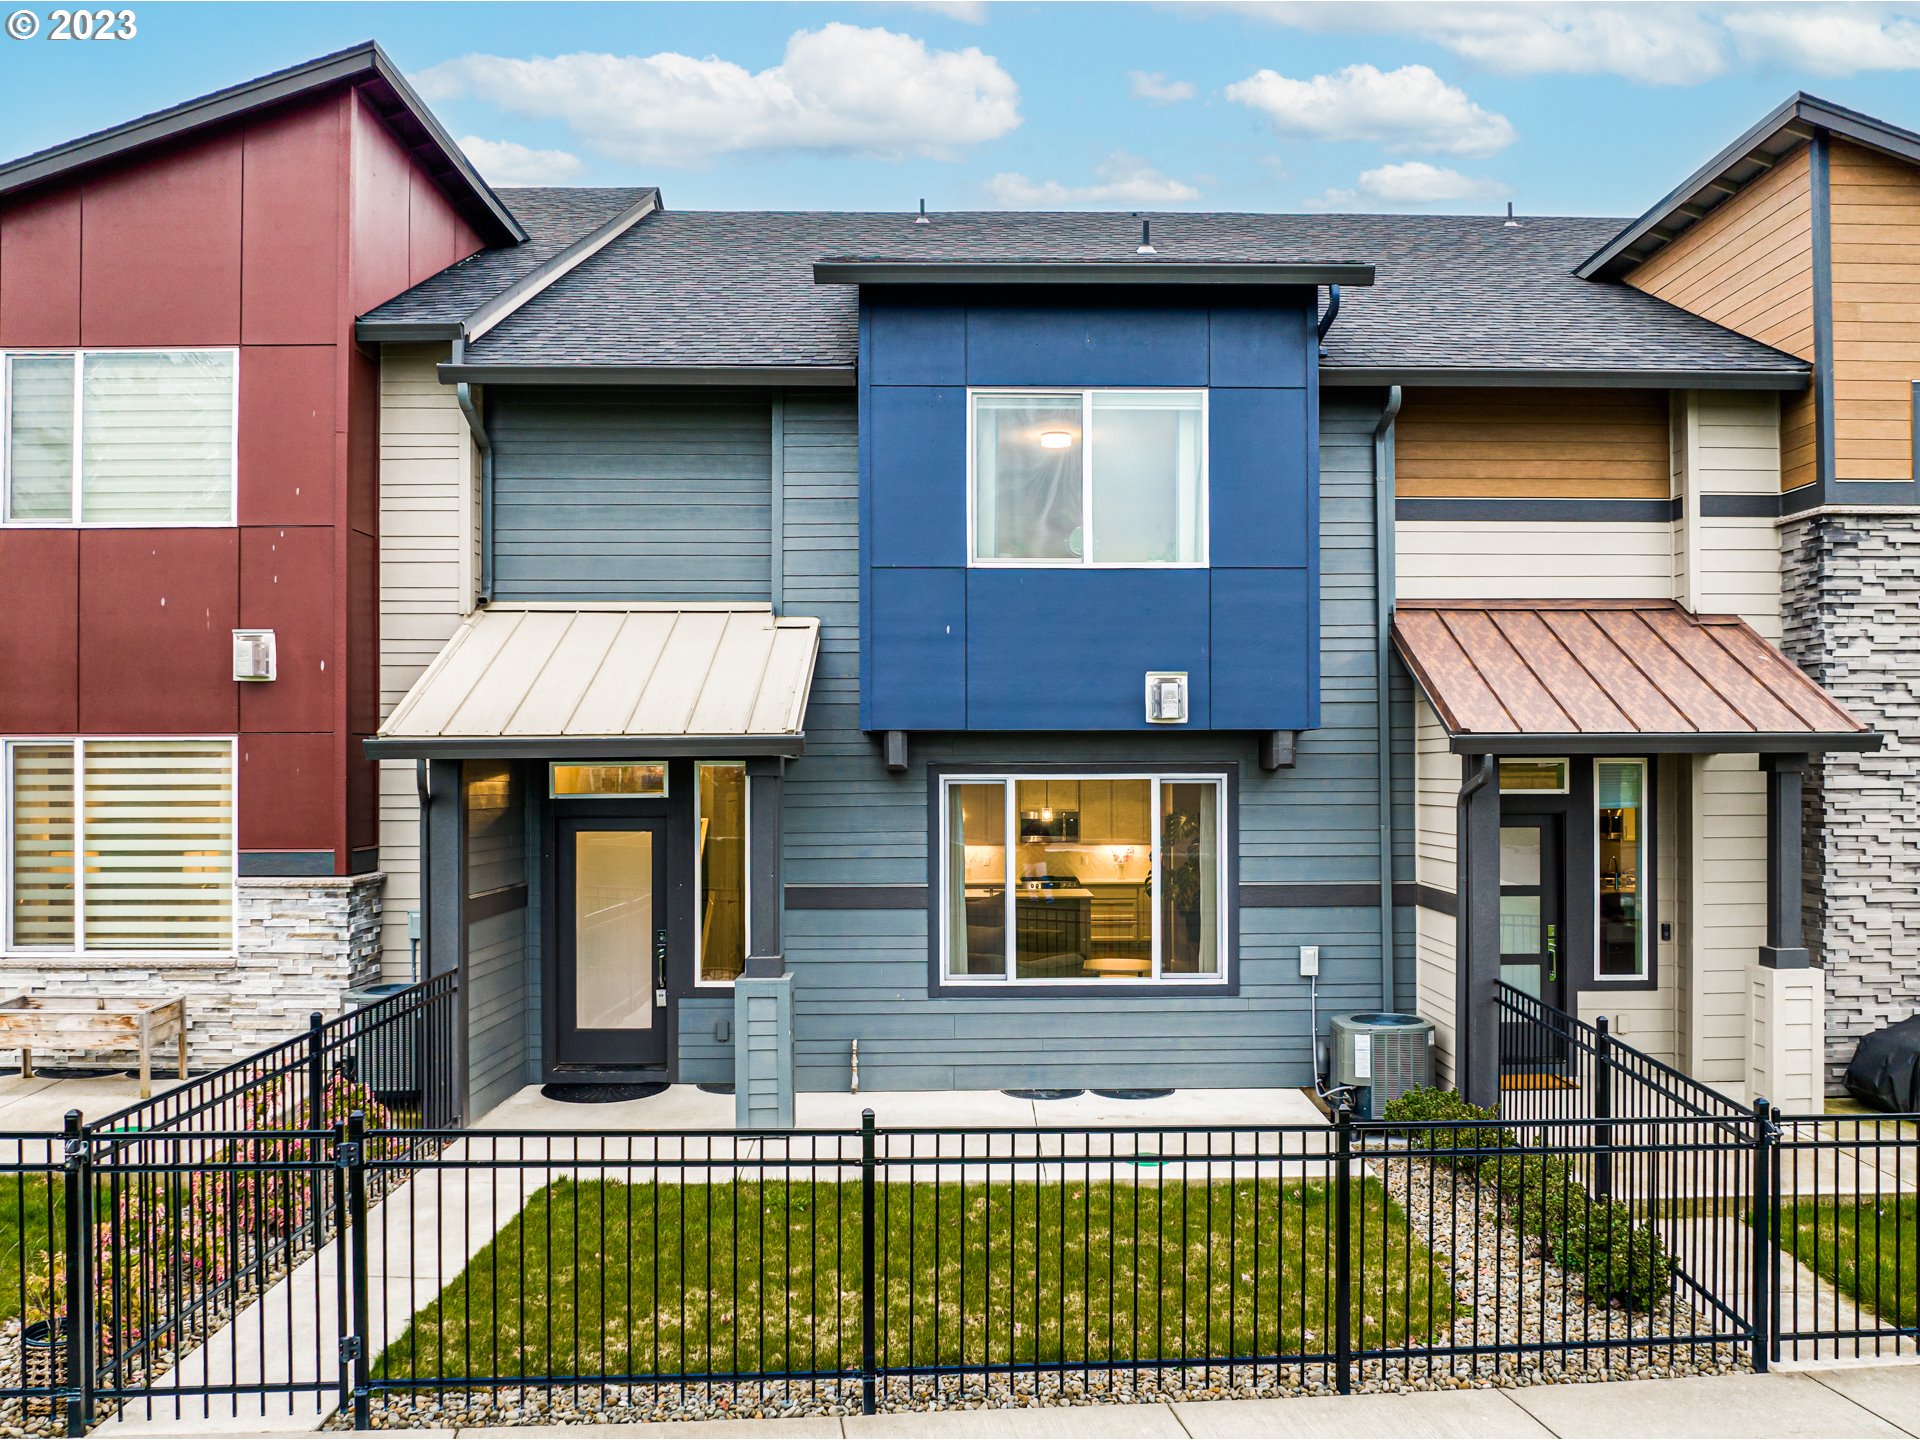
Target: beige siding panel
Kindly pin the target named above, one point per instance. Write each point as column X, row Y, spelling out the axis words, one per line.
column 1727, row 910
column 1876, row 312
column 427, row 523
column 1436, row 794
column 1516, row 442
column 1434, row 984
column 1735, row 450
column 1533, row 560
column 1749, row 266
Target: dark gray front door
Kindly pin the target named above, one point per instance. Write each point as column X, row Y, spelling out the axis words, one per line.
column 611, row 976
column 1530, row 916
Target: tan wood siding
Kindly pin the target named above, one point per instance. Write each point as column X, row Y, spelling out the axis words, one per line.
column 1562, row 444
column 1876, row 312
column 1749, row 266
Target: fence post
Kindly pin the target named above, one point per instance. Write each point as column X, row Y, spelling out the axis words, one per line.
column 1342, row 1244
column 78, row 1172
column 1603, row 1110
column 316, row 1121
column 1762, row 1229
column 354, row 1157
column 343, row 1295
column 869, row 1223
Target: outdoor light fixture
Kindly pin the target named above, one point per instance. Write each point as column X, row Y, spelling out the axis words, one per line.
column 1056, row 439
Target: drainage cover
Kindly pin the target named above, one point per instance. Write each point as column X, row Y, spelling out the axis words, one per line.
column 718, row 1087
column 1133, row 1094
column 601, row 1094
column 1042, row 1094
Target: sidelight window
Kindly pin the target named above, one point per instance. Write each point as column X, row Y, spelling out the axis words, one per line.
column 1089, row 477
column 1622, row 888
column 1084, row 878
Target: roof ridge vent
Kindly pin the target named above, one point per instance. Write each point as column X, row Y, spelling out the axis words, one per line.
column 1145, row 246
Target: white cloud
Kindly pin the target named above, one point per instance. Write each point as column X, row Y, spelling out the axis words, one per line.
column 1828, row 40
column 1406, row 109
column 507, row 162
column 967, row 12
column 1414, row 182
column 1120, row 179
column 841, row 88
column 1154, row 86
column 1660, row 44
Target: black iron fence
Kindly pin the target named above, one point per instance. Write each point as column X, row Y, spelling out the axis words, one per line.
column 405, row 1272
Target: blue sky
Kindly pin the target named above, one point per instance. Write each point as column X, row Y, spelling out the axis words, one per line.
column 1564, row 109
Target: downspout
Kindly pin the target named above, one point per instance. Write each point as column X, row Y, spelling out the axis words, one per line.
column 463, row 392
column 1383, row 588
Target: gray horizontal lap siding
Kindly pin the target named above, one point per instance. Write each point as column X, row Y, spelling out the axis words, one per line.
column 626, row 495
column 863, row 974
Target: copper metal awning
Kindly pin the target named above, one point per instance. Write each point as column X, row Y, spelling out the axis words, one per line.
column 1537, row 676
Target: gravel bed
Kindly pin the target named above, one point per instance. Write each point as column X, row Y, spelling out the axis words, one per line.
column 1523, row 1298
column 44, row 1418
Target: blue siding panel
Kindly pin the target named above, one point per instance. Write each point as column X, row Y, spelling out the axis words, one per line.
column 1067, row 650
column 918, row 440
column 1265, row 674
column 917, row 345
column 920, row 647
column 1260, row 502
column 1263, row 346
column 1085, row 345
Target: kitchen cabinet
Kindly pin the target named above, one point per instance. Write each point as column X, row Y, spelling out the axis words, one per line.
column 1096, row 811
column 1132, row 802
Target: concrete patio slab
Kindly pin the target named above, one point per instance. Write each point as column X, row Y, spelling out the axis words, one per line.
column 1440, row 1413
column 1792, row 1406
column 1061, row 1422
column 1892, row 1392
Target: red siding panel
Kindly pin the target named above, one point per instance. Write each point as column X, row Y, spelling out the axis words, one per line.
column 157, row 613
column 287, row 425
column 363, row 443
column 286, row 585
column 290, row 247
column 39, row 625
column 40, row 270
column 432, row 230
column 289, row 786
column 160, row 249
column 378, row 245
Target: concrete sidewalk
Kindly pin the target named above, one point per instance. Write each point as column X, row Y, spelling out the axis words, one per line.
column 1875, row 1400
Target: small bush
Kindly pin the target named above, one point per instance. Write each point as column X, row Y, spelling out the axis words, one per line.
column 1615, row 1259
column 1538, row 1189
column 1433, row 1105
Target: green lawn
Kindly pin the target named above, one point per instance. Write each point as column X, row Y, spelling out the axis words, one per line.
column 608, row 1278
column 32, row 1227
column 1871, row 1254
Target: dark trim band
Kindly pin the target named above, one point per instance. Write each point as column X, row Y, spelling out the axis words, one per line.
column 856, row 897
column 1432, row 897
column 1490, row 509
column 1739, row 507
column 494, row 903
column 268, row 864
column 1360, row 894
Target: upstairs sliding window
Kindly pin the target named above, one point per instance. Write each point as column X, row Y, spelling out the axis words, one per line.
column 1089, row 477
column 119, row 437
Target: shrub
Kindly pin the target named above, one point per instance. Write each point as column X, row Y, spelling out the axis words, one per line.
column 1538, row 1189
column 1614, row 1258
column 1433, row 1105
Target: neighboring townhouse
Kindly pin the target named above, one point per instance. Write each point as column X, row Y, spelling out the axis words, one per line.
column 1058, row 650
column 189, row 462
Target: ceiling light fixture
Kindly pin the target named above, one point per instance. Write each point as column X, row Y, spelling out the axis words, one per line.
column 1056, row 439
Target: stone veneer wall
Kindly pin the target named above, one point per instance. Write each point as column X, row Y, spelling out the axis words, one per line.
column 301, row 942
column 1851, row 585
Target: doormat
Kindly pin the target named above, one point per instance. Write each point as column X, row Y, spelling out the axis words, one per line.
column 86, row 1072
column 1538, row 1082
column 1133, row 1094
column 1042, row 1094
column 601, row 1094
column 718, row 1087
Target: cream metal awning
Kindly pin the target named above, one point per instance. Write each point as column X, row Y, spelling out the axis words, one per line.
column 611, row 681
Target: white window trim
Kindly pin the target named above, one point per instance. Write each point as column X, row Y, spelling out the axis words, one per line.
column 746, row 873
column 1086, row 561
column 1642, row 859
column 78, row 951
column 74, row 521
column 1009, row 780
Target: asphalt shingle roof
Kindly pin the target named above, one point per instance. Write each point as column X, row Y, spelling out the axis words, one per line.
column 735, row 288
column 553, row 217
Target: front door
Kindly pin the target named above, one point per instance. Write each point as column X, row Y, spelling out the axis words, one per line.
column 1530, row 928
column 611, row 976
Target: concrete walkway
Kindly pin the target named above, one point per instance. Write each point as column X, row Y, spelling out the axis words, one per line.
column 1841, row 1402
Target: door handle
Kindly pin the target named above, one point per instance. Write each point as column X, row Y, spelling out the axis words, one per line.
column 660, row 967
column 1553, row 952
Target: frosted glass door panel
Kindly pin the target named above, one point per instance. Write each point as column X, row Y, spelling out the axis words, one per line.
column 613, row 930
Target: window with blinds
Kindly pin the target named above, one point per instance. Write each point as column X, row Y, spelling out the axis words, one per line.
column 120, row 437
column 153, row 831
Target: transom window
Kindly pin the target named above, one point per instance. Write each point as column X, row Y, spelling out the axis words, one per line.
column 1088, row 477
column 1084, row 878
column 120, row 845
column 118, row 437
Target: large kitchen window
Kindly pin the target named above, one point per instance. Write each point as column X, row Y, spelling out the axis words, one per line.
column 1084, row 878
column 1622, row 891
column 118, row 437
column 1088, row 477
column 120, row 845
